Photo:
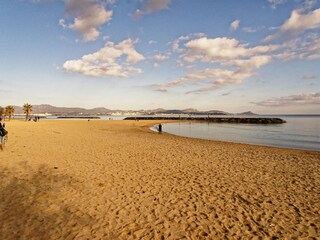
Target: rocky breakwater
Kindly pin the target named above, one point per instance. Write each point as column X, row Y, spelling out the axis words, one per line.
column 78, row 117
column 256, row 120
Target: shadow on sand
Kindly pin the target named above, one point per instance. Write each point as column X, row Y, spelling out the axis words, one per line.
column 33, row 205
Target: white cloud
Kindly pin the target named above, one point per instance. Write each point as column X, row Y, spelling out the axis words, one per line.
column 199, row 75
column 236, row 62
column 157, row 58
column 225, row 94
column 152, row 42
column 274, row 3
column 230, row 78
column 88, row 16
column 111, row 2
column 253, row 29
column 161, row 57
column 249, row 29
column 218, row 77
column 41, row 1
column 152, row 6
column 221, row 49
column 314, row 50
column 306, row 47
column 297, row 23
column 234, row 25
column 309, row 77
column 161, row 90
column 252, row 63
column 176, row 43
column 108, row 61
column 62, row 23
column 306, row 5
column 299, row 99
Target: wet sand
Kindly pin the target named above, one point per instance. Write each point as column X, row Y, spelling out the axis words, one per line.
column 77, row 179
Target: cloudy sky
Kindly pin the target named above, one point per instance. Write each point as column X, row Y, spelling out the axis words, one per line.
column 261, row 55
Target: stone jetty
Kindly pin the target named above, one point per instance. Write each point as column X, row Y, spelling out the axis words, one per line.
column 256, row 120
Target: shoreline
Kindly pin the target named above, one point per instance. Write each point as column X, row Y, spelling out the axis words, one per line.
column 156, row 122
column 119, row 180
column 216, row 140
column 149, row 125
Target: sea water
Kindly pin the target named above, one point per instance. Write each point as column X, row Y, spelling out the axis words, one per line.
column 299, row 132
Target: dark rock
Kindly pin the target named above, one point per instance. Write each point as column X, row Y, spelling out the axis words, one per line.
column 216, row 119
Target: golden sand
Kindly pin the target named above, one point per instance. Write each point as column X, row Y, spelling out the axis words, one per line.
column 118, row 180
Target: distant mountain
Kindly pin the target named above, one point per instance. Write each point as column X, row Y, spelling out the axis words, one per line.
column 18, row 110
column 75, row 111
column 187, row 111
column 218, row 112
column 249, row 113
column 190, row 110
column 156, row 110
column 45, row 108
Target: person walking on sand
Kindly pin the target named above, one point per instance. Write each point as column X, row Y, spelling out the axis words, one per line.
column 3, row 133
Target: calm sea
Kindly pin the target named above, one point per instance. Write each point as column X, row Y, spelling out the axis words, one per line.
column 299, row 132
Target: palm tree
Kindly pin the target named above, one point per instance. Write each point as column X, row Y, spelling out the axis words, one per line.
column 27, row 109
column 9, row 111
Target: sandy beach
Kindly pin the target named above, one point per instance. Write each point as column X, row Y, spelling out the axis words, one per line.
column 77, row 179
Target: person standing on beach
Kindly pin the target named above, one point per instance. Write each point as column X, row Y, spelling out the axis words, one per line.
column 3, row 133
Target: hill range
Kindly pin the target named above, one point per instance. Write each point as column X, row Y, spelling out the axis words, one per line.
column 74, row 111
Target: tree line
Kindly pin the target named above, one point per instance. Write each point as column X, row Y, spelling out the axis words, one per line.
column 9, row 111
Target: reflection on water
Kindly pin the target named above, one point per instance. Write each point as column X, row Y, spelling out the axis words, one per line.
column 298, row 132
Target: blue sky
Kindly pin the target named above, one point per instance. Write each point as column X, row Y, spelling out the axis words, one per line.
column 261, row 55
